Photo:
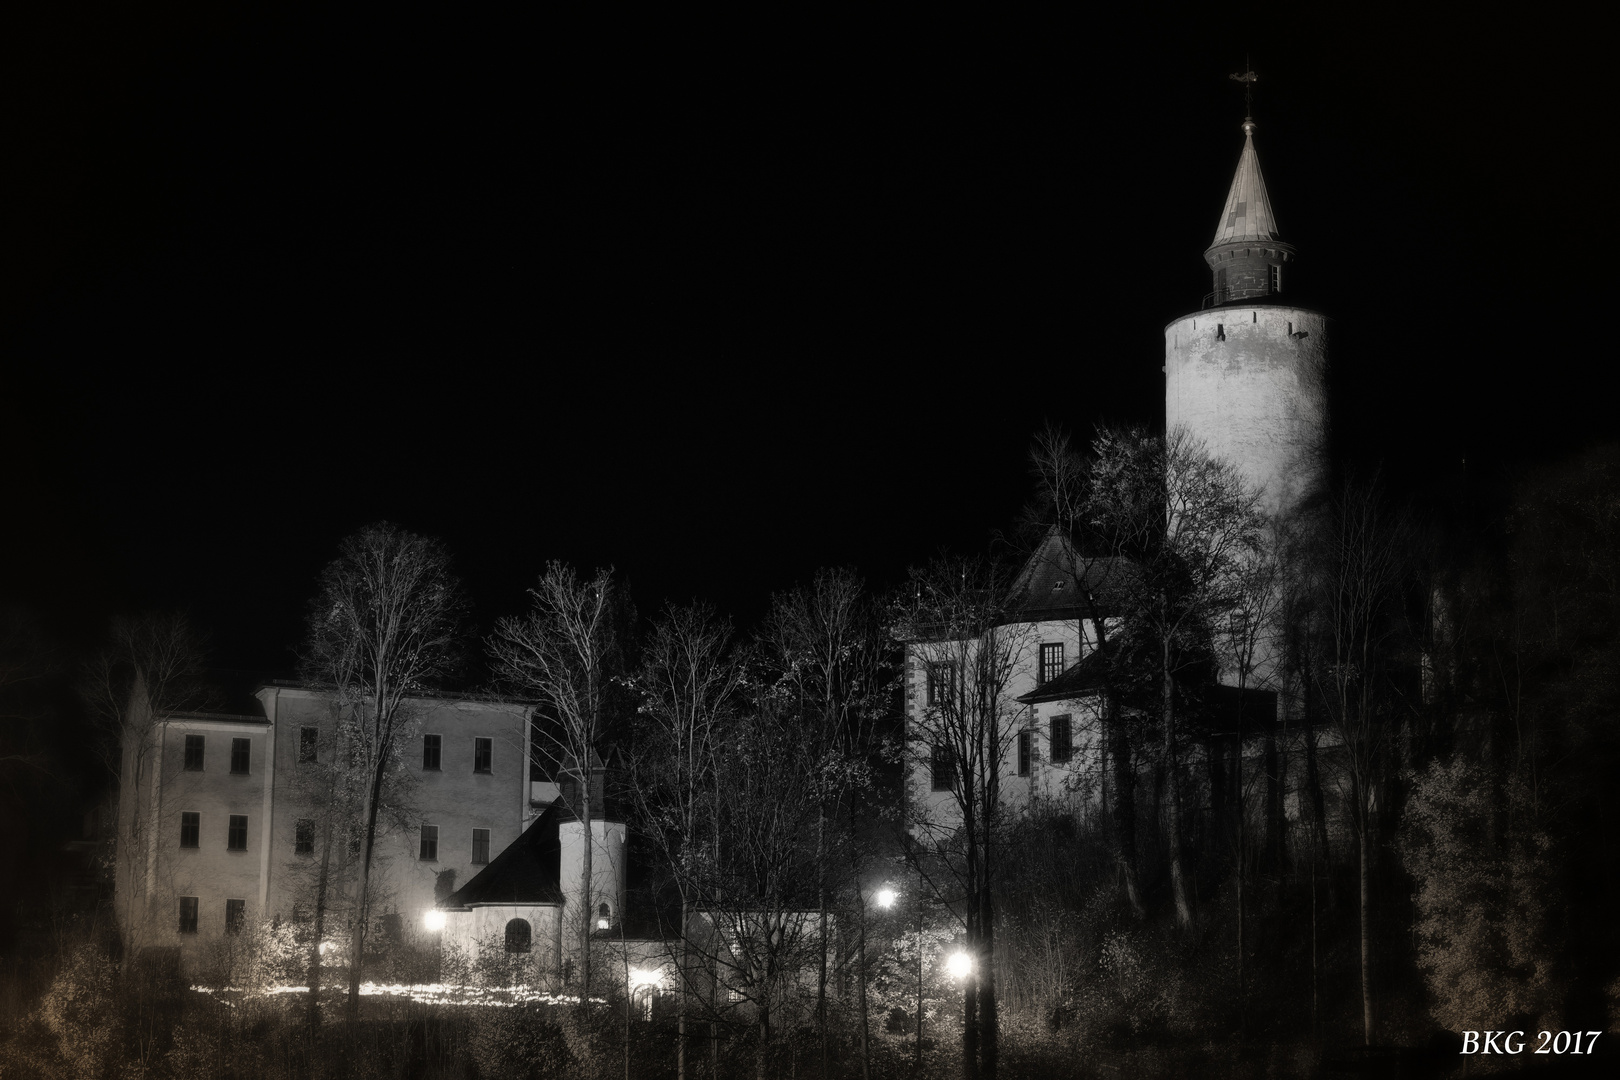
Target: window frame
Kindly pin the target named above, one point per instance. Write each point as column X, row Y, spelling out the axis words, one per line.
column 236, row 833
column 1026, row 752
column 942, row 763
column 187, row 914
column 1052, row 660
column 304, row 836
column 483, row 754
column 428, row 848
column 1060, row 751
column 192, row 827
column 241, row 753
column 309, row 745
column 942, row 681
column 196, row 753
column 235, row 915
column 480, row 846
column 432, row 750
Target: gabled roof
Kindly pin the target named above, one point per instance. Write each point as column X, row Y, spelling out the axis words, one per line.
column 1085, row 677
column 1059, row 582
column 527, row 872
column 1248, row 213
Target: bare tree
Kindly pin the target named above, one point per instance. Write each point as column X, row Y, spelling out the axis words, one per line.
column 832, row 668
column 1190, row 526
column 960, row 628
column 691, row 681
column 385, row 624
column 150, row 669
column 1357, row 569
column 561, row 653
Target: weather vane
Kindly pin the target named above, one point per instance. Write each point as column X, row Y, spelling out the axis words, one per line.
column 1248, row 79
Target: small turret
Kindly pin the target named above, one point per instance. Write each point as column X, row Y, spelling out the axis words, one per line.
column 1248, row 256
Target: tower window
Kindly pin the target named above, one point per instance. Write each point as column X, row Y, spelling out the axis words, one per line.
column 1220, row 285
column 1051, row 661
column 1220, row 331
column 1276, row 278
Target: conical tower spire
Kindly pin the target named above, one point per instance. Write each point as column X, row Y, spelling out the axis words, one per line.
column 1247, row 255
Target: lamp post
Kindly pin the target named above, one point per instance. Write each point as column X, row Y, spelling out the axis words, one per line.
column 885, row 898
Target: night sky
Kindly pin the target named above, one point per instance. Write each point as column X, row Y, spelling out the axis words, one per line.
column 719, row 303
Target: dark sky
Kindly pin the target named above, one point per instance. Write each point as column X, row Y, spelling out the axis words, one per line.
column 721, row 303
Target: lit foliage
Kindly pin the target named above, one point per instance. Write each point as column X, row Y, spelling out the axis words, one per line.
column 1486, row 944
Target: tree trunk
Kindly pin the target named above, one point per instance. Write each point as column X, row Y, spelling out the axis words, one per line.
column 989, row 1020
column 821, row 939
column 587, row 916
column 680, row 988
column 362, row 901
column 1178, row 876
column 321, row 880
column 866, row 1052
column 970, row 1024
column 1124, row 807
column 1366, row 935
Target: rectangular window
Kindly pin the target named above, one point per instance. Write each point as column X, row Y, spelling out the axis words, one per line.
column 939, row 682
column 237, row 839
column 235, row 914
column 304, row 837
column 1026, row 748
column 1062, row 739
column 480, row 846
column 1220, row 286
column 430, row 844
column 308, row 740
column 483, row 754
column 943, row 769
column 430, row 751
column 190, row 828
column 1051, row 661
column 240, row 749
column 188, row 914
column 1276, row 278
column 194, row 753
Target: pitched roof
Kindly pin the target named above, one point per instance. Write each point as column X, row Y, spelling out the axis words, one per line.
column 527, row 872
column 1084, row 677
column 1059, row 582
column 1248, row 213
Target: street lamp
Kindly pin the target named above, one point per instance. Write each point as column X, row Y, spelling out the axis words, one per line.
column 434, row 919
column 886, row 898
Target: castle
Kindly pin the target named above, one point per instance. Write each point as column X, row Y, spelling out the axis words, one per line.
column 218, row 831
column 1246, row 377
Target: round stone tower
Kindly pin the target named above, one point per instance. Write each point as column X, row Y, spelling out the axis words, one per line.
column 1247, row 373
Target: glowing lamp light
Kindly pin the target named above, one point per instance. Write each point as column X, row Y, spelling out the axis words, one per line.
column 886, row 898
column 959, row 964
column 326, row 947
column 604, row 924
column 434, row 920
column 640, row 978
